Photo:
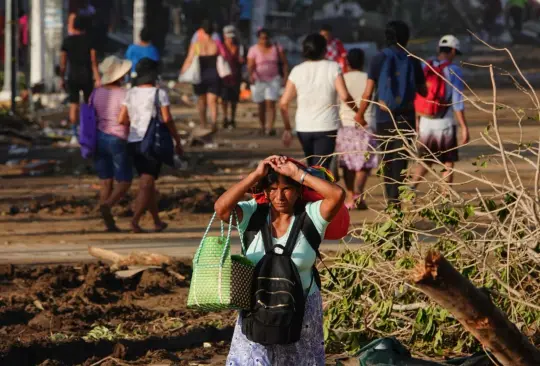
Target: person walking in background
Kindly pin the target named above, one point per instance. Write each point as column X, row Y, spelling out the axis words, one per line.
column 208, row 90
column 395, row 92
column 142, row 49
column 83, row 10
column 335, row 51
column 438, row 134
column 230, row 95
column 137, row 111
column 112, row 160
column 315, row 83
column 516, row 10
column 80, row 55
column 268, row 69
column 201, row 33
column 23, row 39
column 355, row 144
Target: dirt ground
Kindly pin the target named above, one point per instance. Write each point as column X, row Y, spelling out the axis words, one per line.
column 45, row 311
column 81, row 314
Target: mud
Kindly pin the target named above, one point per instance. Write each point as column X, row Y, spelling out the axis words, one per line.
column 81, row 314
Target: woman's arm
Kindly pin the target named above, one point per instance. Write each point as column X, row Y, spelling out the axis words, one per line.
column 71, row 23
column 229, row 200
column 333, row 195
column 252, row 69
column 288, row 96
column 344, row 95
column 189, row 58
column 285, row 64
column 95, row 68
column 364, row 104
column 169, row 122
column 123, row 116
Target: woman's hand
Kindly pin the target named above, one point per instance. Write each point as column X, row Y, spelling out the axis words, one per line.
column 285, row 167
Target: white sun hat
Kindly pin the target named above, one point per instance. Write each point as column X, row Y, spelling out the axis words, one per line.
column 113, row 68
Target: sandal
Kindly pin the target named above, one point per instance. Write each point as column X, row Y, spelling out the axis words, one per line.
column 136, row 229
column 108, row 219
column 161, row 227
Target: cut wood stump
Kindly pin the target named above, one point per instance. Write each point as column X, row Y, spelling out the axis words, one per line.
column 473, row 308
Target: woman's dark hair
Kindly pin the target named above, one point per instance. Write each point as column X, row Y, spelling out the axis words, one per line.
column 81, row 23
column 147, row 71
column 263, row 31
column 207, row 27
column 397, row 32
column 314, row 47
column 356, row 57
column 272, row 177
column 146, row 35
column 326, row 28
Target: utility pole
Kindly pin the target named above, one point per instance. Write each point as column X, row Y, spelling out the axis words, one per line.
column 14, row 54
column 37, row 43
column 139, row 9
column 6, row 90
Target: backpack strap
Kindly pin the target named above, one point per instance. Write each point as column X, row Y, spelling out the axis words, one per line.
column 294, row 233
column 314, row 239
column 256, row 224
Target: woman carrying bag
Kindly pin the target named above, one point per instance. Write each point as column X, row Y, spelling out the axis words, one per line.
column 142, row 105
column 282, row 182
column 205, row 52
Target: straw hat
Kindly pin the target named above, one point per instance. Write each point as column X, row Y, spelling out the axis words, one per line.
column 113, row 68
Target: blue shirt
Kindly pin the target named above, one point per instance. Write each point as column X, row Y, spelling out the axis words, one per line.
column 375, row 68
column 303, row 254
column 136, row 53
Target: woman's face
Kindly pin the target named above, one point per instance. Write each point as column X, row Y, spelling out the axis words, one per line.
column 283, row 196
column 264, row 39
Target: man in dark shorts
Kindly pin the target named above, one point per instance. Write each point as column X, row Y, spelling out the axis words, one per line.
column 78, row 58
column 394, row 163
column 438, row 136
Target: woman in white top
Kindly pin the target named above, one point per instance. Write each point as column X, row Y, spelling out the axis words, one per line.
column 355, row 144
column 137, row 112
column 316, row 83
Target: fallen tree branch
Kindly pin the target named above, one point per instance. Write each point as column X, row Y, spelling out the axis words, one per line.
column 439, row 280
column 133, row 259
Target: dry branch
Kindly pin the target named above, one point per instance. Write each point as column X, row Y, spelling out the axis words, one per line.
column 473, row 308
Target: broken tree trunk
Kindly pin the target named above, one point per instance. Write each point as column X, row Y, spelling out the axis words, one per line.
column 439, row 280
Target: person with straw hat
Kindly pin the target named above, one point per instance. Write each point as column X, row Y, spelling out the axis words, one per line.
column 112, row 160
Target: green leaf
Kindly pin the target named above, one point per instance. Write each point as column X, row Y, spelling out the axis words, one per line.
column 468, row 211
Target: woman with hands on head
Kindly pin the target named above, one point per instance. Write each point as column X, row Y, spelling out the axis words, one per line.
column 282, row 182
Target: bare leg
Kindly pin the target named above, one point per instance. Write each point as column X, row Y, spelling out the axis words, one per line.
column 120, row 189
column 201, row 107
column 104, row 195
column 418, row 175
column 106, row 190
column 348, row 178
column 74, row 113
column 271, row 115
column 448, row 173
column 154, row 211
column 146, row 193
column 361, row 178
column 262, row 116
column 212, row 104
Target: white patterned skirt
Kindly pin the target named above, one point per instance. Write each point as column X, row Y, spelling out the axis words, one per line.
column 308, row 351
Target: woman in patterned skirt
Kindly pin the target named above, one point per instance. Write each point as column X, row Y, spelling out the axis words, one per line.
column 355, row 145
column 282, row 182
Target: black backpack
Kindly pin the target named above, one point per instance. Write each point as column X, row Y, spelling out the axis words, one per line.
column 277, row 295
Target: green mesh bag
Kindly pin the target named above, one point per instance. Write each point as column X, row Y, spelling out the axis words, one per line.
column 220, row 281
